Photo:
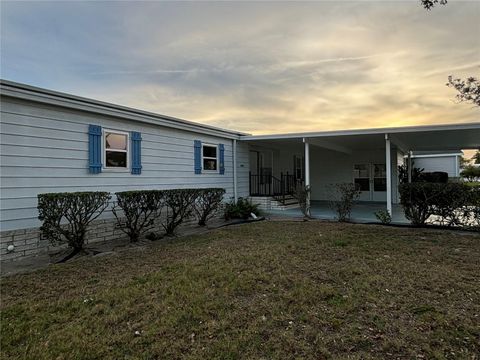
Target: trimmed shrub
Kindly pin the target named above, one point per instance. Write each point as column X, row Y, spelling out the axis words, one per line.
column 66, row 216
column 241, row 209
column 179, row 206
column 345, row 194
column 451, row 204
column 207, row 202
column 139, row 209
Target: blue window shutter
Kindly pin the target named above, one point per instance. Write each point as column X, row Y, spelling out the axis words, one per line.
column 221, row 149
column 136, row 153
column 94, row 149
column 197, row 144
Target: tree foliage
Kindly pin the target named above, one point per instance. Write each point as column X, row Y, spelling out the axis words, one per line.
column 429, row 4
column 468, row 89
column 476, row 157
column 66, row 216
column 471, row 173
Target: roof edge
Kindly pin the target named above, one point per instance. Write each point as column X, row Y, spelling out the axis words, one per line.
column 371, row 131
column 24, row 91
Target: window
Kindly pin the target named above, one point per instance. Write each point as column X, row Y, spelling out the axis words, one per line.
column 116, row 149
column 380, row 177
column 209, row 157
column 361, row 177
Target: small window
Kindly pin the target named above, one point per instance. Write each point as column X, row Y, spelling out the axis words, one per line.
column 116, row 149
column 209, row 157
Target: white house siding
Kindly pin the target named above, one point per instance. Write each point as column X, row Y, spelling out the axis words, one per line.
column 448, row 164
column 44, row 148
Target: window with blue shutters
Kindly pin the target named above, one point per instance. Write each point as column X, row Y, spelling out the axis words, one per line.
column 94, row 149
column 136, row 153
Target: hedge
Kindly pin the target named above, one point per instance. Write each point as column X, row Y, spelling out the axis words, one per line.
column 451, row 204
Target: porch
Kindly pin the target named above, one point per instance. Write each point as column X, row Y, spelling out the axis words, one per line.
column 369, row 158
column 362, row 212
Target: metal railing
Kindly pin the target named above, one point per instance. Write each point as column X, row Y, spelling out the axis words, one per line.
column 269, row 185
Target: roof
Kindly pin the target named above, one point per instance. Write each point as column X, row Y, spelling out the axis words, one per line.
column 372, row 131
column 41, row 95
column 451, row 137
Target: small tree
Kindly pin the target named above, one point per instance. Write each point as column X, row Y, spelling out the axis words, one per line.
column 302, row 194
column 476, row 157
column 471, row 173
column 207, row 202
column 429, row 4
column 179, row 206
column 345, row 194
column 468, row 89
column 136, row 211
column 66, row 216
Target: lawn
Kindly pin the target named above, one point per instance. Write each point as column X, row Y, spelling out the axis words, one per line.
column 269, row 290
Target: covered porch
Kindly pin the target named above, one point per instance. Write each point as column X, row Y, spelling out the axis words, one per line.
column 367, row 158
column 362, row 212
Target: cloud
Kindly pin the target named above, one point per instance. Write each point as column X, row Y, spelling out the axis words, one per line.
column 256, row 67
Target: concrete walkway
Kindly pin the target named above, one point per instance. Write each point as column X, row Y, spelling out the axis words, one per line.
column 362, row 212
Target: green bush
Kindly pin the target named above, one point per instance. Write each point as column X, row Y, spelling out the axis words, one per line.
column 383, row 216
column 344, row 196
column 471, row 173
column 451, row 204
column 179, row 206
column 136, row 211
column 207, row 203
column 240, row 210
column 65, row 216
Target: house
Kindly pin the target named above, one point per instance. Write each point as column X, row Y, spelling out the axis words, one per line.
column 445, row 161
column 56, row 142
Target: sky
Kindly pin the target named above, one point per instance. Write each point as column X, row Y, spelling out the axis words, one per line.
column 257, row 67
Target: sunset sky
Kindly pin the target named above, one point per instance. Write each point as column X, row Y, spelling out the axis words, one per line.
column 255, row 67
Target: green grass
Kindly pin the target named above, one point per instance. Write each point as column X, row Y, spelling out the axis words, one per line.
column 270, row 290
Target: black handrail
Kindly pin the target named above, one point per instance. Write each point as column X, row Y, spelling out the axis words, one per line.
column 269, row 185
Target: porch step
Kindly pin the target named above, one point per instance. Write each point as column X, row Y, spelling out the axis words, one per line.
column 269, row 203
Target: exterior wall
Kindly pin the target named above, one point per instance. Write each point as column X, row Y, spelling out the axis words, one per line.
column 448, row 164
column 44, row 148
column 329, row 167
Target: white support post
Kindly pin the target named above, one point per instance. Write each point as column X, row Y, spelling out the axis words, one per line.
column 388, row 163
column 307, row 173
column 235, row 195
column 409, row 166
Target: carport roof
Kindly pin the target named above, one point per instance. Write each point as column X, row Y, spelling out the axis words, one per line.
column 419, row 138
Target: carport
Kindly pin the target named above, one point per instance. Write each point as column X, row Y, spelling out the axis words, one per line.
column 368, row 157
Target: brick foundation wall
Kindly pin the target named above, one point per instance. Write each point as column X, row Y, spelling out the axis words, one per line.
column 28, row 242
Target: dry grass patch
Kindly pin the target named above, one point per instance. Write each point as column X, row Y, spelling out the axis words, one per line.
column 265, row 290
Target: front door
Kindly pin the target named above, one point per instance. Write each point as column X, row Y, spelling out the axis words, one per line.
column 371, row 181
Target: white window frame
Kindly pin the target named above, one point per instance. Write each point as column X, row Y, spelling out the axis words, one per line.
column 211, row 158
column 104, row 150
